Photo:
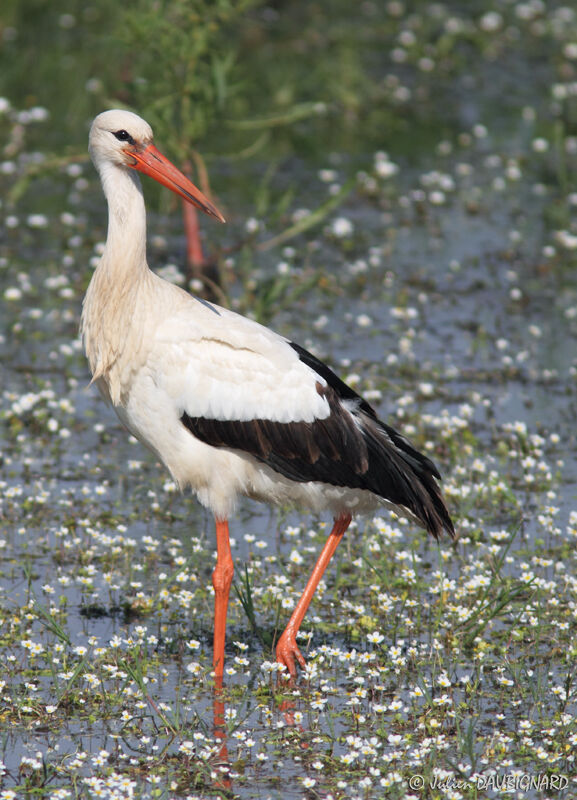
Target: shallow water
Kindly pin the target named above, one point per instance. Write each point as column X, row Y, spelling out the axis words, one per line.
column 450, row 301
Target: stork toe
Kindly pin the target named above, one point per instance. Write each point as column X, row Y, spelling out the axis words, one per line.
column 287, row 653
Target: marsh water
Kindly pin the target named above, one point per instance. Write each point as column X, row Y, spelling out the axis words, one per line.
column 443, row 287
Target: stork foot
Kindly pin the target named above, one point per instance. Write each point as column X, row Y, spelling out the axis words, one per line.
column 287, row 653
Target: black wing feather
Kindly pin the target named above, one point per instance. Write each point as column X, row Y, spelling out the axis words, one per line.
column 350, row 447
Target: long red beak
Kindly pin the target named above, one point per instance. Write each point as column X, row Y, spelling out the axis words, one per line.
column 150, row 161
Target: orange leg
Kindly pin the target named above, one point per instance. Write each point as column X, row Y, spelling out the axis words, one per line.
column 194, row 254
column 287, row 650
column 221, row 580
column 220, row 735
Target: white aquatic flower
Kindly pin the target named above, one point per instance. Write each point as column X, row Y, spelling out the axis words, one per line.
column 93, row 85
column 172, row 274
column 37, row 221
column 437, row 198
column 384, row 167
column 328, row 175
column 342, row 227
column 566, row 239
column 491, row 21
column 252, row 225
column 540, row 145
column 35, row 114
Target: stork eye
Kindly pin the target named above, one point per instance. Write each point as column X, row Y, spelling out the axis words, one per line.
column 124, row 136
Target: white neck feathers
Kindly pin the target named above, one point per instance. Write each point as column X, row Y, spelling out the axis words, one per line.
column 110, row 316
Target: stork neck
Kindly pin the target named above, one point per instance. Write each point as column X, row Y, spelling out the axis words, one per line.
column 125, row 251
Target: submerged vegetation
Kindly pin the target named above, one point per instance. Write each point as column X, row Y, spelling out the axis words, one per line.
column 400, row 179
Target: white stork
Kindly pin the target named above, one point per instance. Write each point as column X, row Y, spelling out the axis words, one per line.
column 230, row 407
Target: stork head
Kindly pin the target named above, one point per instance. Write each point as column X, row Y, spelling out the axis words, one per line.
column 124, row 139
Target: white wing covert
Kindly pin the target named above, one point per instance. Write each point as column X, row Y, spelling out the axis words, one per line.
column 221, row 366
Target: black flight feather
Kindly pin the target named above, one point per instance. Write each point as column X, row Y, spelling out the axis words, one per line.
column 350, row 447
